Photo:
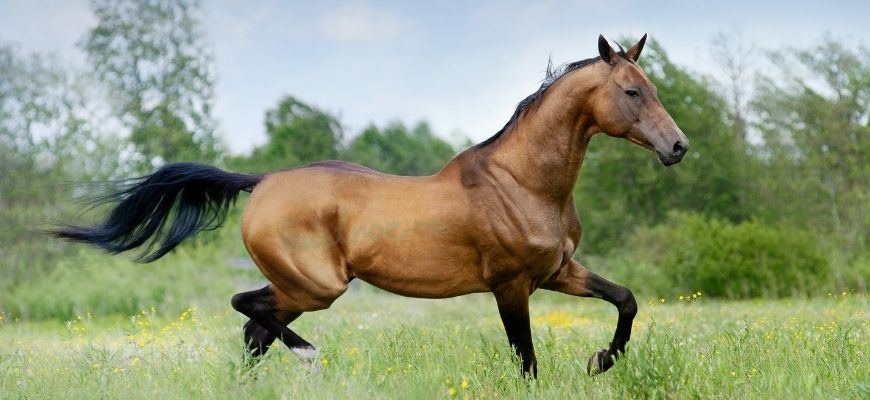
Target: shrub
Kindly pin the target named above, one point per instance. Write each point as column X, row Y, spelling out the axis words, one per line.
column 743, row 260
column 91, row 281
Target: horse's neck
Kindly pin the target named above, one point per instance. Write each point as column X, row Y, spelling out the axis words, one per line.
column 544, row 149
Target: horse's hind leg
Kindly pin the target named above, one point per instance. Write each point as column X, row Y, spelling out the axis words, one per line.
column 259, row 339
column 267, row 324
column 576, row 280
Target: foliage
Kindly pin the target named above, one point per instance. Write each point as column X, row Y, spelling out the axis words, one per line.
column 299, row 134
column 48, row 133
column 398, row 150
column 743, row 260
column 815, row 128
column 151, row 56
column 89, row 281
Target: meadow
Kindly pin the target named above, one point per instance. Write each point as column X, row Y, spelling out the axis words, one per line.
column 376, row 345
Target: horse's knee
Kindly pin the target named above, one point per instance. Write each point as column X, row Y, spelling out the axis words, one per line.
column 626, row 303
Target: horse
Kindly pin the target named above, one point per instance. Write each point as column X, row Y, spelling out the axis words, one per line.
column 499, row 217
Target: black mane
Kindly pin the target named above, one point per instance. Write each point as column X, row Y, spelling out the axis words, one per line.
column 552, row 75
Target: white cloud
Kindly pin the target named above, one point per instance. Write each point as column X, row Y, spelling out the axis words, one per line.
column 358, row 22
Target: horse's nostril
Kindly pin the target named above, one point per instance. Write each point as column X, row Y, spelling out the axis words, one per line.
column 679, row 148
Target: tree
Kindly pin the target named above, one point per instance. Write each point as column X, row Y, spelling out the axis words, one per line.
column 48, row 128
column 299, row 134
column 816, row 130
column 48, row 134
column 152, row 57
column 398, row 150
column 733, row 56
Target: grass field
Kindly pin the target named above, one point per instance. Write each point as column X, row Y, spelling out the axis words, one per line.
column 375, row 345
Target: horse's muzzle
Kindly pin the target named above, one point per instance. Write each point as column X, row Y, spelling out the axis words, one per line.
column 676, row 153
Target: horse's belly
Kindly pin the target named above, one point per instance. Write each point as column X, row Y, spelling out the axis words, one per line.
column 419, row 267
column 426, row 287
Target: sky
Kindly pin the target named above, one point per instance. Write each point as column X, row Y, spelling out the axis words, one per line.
column 461, row 66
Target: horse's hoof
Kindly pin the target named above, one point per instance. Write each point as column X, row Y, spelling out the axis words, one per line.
column 596, row 363
column 309, row 357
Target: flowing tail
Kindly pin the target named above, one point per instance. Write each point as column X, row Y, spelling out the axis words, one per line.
column 164, row 208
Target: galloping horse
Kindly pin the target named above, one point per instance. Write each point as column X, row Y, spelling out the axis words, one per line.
column 498, row 218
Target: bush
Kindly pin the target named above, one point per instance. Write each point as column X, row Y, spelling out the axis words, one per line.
column 852, row 274
column 91, row 281
column 744, row 260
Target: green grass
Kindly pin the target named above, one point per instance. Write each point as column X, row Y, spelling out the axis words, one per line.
column 375, row 345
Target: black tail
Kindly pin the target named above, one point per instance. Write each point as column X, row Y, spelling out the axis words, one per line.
column 164, row 208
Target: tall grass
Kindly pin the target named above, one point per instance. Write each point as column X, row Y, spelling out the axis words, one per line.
column 383, row 346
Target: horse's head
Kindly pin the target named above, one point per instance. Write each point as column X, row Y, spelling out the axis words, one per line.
column 625, row 105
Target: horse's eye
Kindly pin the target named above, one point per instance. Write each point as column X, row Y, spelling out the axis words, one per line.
column 632, row 93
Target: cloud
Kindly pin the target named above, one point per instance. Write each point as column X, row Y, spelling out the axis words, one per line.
column 358, row 22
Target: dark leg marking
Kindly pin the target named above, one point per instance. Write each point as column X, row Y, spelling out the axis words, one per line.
column 257, row 339
column 513, row 307
column 576, row 280
column 267, row 324
column 626, row 305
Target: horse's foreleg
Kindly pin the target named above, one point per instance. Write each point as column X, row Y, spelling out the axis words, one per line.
column 513, row 307
column 267, row 324
column 576, row 280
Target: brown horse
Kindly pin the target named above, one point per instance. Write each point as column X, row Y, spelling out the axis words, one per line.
column 497, row 218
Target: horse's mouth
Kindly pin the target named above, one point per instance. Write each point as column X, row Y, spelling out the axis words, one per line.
column 668, row 160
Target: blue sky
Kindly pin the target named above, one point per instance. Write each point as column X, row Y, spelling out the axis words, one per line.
column 462, row 66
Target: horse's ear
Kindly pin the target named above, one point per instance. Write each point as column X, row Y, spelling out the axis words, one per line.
column 605, row 51
column 634, row 52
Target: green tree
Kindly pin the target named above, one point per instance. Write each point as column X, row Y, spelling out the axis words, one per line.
column 298, row 133
column 622, row 187
column 152, row 57
column 48, row 128
column 48, row 134
column 398, row 150
column 301, row 133
column 816, row 130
